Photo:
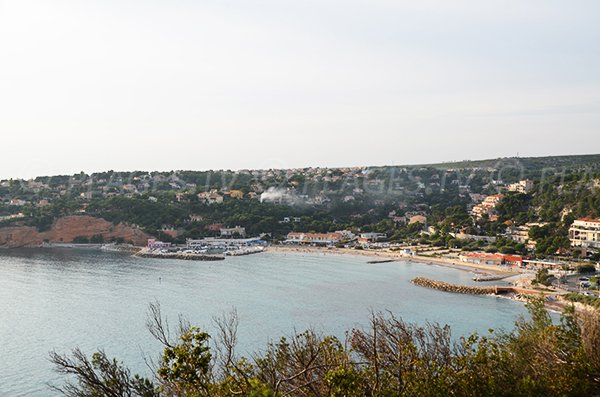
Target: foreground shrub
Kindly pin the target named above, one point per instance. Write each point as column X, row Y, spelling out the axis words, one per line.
column 388, row 358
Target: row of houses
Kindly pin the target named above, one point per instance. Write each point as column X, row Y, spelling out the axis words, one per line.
column 583, row 233
column 488, row 204
column 314, row 238
column 483, row 258
column 487, row 207
column 237, row 231
column 340, row 236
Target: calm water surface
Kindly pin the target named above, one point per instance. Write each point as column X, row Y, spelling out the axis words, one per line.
column 60, row 299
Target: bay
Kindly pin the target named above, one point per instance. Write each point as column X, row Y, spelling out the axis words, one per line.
column 59, row 299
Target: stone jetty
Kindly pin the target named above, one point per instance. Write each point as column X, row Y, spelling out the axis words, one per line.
column 460, row 289
column 488, row 277
column 180, row 255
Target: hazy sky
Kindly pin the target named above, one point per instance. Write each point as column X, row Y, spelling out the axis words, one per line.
column 181, row 84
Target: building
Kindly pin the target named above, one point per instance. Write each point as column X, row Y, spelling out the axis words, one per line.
column 422, row 219
column 211, row 197
column 372, row 237
column 236, row 194
column 156, row 244
column 289, row 219
column 233, row 231
column 214, row 227
column 347, row 235
column 547, row 264
column 196, row 218
column 398, row 220
column 313, row 238
column 130, row 188
column 487, row 207
column 524, row 186
column 474, row 237
column 223, row 243
column 520, row 234
column 483, row 258
column 585, row 233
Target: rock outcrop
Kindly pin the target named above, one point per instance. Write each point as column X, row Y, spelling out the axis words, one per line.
column 66, row 229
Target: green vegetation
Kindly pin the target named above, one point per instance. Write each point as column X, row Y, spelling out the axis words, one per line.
column 81, row 240
column 586, row 268
column 593, row 301
column 389, row 358
column 543, row 277
column 366, row 199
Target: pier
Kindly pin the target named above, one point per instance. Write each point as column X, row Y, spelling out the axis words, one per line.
column 473, row 289
column 456, row 288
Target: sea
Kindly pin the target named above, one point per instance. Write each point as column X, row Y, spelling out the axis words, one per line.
column 58, row 299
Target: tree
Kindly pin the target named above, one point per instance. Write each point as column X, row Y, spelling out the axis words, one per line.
column 185, row 366
column 99, row 376
column 388, row 358
column 543, row 277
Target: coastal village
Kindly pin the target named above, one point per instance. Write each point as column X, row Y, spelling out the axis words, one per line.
column 467, row 215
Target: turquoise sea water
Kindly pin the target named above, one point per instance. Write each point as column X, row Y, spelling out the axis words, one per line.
column 60, row 299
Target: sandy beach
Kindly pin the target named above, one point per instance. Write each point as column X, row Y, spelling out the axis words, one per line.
column 383, row 255
column 511, row 274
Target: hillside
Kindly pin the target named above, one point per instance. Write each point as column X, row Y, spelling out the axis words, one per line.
column 174, row 206
column 68, row 229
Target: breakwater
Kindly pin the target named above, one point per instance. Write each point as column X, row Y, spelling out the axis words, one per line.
column 381, row 261
column 487, row 277
column 244, row 251
column 180, row 255
column 457, row 288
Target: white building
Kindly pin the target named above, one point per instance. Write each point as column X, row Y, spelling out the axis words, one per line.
column 524, row 186
column 372, row 237
column 211, row 197
column 156, row 244
column 585, row 233
column 314, row 238
column 233, row 231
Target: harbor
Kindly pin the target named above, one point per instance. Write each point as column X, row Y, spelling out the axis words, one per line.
column 208, row 249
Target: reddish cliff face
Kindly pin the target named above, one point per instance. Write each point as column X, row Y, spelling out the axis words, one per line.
column 65, row 229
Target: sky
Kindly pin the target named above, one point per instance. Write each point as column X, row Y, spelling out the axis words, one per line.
column 233, row 84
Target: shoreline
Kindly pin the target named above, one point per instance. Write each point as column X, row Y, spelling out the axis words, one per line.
column 383, row 256
column 556, row 306
column 469, row 267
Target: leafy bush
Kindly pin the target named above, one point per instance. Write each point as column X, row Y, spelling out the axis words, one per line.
column 81, row 240
column 388, row 358
column 588, row 300
column 543, row 277
column 586, row 268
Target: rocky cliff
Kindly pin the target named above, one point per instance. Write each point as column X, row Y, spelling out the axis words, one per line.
column 65, row 229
